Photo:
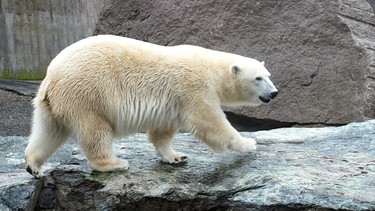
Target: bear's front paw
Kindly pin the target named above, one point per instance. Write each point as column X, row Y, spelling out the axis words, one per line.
column 242, row 144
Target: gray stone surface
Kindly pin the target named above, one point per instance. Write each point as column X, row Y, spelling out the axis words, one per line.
column 321, row 53
column 26, row 88
column 372, row 3
column 15, row 114
column 293, row 168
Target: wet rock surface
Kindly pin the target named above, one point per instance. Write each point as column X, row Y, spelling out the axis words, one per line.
column 293, row 168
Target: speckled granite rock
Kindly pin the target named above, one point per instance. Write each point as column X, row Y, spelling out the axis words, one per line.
column 293, row 168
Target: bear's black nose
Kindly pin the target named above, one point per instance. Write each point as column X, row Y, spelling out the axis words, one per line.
column 273, row 94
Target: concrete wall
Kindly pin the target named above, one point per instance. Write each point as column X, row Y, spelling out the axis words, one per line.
column 32, row 32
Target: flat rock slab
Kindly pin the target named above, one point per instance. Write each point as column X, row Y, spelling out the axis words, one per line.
column 293, row 168
column 27, row 88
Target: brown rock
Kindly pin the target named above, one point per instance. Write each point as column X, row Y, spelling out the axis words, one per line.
column 321, row 53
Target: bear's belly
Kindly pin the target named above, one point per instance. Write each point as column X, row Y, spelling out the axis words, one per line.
column 146, row 116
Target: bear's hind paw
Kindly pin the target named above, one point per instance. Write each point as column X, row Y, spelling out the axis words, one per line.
column 175, row 158
column 109, row 165
column 36, row 172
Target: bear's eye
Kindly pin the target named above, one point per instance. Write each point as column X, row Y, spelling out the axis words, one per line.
column 258, row 78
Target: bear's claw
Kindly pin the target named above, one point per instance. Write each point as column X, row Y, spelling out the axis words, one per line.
column 175, row 158
column 28, row 169
column 182, row 159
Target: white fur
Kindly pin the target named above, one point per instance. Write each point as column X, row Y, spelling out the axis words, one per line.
column 105, row 87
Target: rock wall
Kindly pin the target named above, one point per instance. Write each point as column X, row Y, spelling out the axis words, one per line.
column 321, row 53
column 32, row 32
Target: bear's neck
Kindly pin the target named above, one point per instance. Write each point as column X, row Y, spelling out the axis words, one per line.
column 227, row 89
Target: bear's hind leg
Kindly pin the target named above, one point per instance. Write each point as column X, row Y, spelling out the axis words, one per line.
column 46, row 137
column 96, row 141
column 162, row 141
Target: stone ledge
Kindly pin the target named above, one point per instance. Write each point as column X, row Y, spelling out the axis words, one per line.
column 293, row 168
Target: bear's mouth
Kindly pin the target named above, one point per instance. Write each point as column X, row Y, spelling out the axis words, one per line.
column 264, row 100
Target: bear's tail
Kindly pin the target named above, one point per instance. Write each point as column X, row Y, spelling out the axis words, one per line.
column 42, row 99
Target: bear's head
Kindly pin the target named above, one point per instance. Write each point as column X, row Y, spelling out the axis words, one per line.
column 253, row 85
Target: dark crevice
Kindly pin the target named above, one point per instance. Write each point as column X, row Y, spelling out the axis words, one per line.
column 357, row 20
column 249, row 124
column 244, row 123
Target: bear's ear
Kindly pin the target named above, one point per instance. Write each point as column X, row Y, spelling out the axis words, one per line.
column 235, row 70
column 262, row 62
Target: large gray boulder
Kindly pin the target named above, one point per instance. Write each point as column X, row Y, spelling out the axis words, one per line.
column 293, row 168
column 321, row 53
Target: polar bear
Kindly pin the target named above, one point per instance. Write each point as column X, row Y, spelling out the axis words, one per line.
column 106, row 87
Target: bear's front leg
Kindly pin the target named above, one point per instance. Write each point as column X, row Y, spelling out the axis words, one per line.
column 162, row 141
column 210, row 125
